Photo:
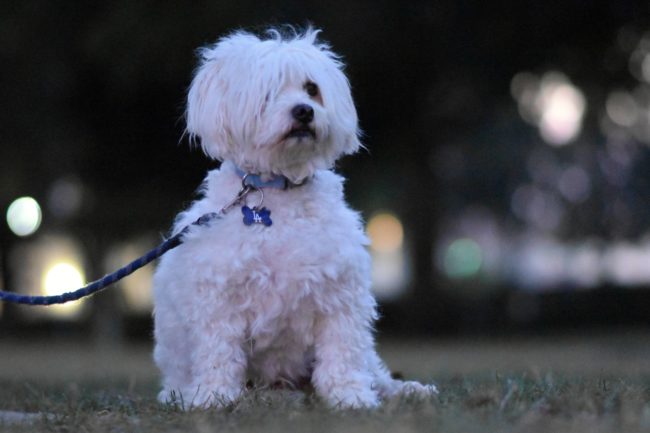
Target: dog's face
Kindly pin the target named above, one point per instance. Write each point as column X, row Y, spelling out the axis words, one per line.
column 280, row 106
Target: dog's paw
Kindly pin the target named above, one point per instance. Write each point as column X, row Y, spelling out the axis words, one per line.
column 412, row 388
column 353, row 400
column 352, row 396
column 169, row 396
column 409, row 388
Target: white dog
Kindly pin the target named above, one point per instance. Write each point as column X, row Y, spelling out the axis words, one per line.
column 278, row 291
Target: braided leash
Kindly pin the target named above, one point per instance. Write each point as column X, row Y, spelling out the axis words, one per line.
column 250, row 183
column 112, row 278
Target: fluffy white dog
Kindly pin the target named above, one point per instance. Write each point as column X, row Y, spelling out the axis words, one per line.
column 278, row 291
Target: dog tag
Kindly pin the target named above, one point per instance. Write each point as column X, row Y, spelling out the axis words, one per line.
column 256, row 216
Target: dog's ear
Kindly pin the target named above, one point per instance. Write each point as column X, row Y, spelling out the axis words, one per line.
column 213, row 92
column 353, row 143
column 338, row 100
column 205, row 111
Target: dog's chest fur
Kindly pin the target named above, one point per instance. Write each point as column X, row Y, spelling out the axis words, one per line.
column 280, row 278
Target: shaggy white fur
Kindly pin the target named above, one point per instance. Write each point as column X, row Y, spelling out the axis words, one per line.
column 289, row 302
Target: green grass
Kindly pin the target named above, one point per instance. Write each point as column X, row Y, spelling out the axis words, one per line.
column 473, row 403
column 520, row 391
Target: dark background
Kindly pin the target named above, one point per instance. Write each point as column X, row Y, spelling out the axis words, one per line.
column 95, row 92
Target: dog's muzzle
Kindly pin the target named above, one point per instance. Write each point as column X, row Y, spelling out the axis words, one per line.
column 303, row 114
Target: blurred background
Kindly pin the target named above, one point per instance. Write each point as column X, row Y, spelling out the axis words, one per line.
column 506, row 184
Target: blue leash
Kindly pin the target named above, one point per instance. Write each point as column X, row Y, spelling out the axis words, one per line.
column 109, row 279
column 250, row 182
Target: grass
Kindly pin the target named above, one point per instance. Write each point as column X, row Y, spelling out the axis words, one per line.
column 517, row 402
column 519, row 391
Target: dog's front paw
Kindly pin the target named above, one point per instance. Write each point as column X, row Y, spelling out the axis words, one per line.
column 170, row 396
column 413, row 389
column 350, row 395
column 417, row 389
column 397, row 388
column 349, row 399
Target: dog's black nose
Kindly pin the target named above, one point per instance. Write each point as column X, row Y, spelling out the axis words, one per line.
column 303, row 113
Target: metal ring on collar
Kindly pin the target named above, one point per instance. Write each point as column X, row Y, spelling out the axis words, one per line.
column 253, row 188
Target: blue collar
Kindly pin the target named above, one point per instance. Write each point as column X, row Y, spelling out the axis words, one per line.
column 255, row 180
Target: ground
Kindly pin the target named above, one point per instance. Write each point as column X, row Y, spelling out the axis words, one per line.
column 571, row 383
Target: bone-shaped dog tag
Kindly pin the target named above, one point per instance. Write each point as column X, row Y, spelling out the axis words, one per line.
column 256, row 216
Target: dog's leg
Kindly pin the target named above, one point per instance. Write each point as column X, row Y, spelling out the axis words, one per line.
column 172, row 356
column 342, row 376
column 173, row 341
column 387, row 387
column 218, row 359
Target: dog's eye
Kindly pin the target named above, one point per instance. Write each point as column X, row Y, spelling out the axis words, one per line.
column 311, row 88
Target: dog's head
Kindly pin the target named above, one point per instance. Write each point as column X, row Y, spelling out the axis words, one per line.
column 279, row 105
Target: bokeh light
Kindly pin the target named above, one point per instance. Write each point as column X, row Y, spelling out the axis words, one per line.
column 463, row 258
column 621, row 108
column 645, row 67
column 626, row 264
column 24, row 216
column 386, row 232
column 48, row 265
column 639, row 63
column 61, row 277
column 538, row 207
column 574, row 184
column 136, row 289
column 552, row 103
column 65, row 197
column 390, row 267
column 562, row 107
